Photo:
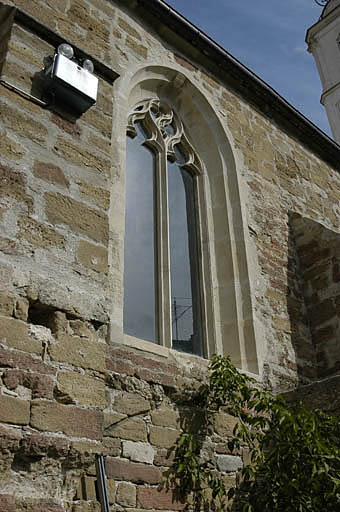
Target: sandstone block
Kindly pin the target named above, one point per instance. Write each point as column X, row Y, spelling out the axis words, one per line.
column 89, row 488
column 111, row 490
column 229, row 463
column 7, row 302
column 92, row 256
column 102, row 124
column 20, row 122
column 41, row 385
column 21, row 309
column 163, row 437
column 41, row 445
column 132, row 429
column 128, row 29
column 14, row 410
column 111, row 418
column 80, row 156
column 7, row 503
column 10, row 149
column 82, row 389
column 12, row 359
column 132, row 472
column 165, row 417
column 138, row 452
column 71, row 420
column 138, row 48
column 126, row 494
column 99, row 196
column 13, row 184
column 151, row 498
column 51, row 173
column 111, row 447
column 39, row 234
column 131, row 404
column 79, row 352
column 77, row 216
column 14, row 334
column 81, row 329
column 224, row 424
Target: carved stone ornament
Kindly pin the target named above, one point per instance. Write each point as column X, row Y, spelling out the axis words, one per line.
column 164, row 130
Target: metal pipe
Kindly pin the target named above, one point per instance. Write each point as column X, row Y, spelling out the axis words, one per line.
column 101, row 484
column 23, row 93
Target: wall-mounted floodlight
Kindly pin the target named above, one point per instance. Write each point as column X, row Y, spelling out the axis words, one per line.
column 71, row 82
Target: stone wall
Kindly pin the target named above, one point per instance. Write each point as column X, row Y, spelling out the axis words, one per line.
column 70, row 386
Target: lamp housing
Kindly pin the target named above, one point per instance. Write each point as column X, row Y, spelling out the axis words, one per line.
column 71, row 84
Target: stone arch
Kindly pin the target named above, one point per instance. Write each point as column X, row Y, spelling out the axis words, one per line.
column 229, row 323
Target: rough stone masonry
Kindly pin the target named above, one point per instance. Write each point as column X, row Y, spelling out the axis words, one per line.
column 71, row 385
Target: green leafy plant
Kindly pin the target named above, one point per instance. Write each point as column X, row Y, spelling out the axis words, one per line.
column 294, row 453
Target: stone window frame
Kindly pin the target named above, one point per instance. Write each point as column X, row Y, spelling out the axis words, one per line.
column 155, row 115
column 229, row 269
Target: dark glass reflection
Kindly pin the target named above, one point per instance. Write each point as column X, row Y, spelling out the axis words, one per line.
column 140, row 297
column 185, row 306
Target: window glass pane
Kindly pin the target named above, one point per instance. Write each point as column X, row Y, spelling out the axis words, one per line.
column 185, row 304
column 140, row 297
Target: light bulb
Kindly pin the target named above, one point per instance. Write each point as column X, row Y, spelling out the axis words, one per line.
column 88, row 65
column 66, row 50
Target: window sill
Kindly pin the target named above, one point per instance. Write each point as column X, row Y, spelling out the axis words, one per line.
column 144, row 345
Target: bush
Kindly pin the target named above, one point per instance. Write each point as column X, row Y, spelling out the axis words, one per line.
column 294, row 452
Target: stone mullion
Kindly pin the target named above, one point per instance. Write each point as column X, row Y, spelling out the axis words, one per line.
column 163, row 251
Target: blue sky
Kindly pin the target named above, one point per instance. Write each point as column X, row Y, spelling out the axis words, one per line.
column 267, row 36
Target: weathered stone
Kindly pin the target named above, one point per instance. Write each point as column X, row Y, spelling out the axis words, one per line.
column 111, row 447
column 14, row 334
column 7, row 302
column 163, row 437
column 10, row 149
column 111, row 418
column 224, row 424
column 138, row 452
column 52, row 173
column 133, row 429
column 39, row 445
column 126, row 494
column 165, row 417
column 71, row 420
column 78, row 217
column 99, row 196
column 84, row 157
column 81, row 329
column 92, row 256
column 21, row 309
column 7, row 503
column 79, row 352
column 152, row 498
column 14, row 410
column 13, row 184
column 41, row 385
column 132, row 472
column 13, row 359
column 131, row 404
column 111, row 490
column 82, row 390
column 89, row 488
column 229, row 463
column 38, row 234
column 138, row 48
column 20, row 122
column 128, row 29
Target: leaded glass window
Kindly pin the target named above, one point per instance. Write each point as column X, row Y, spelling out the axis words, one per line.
column 161, row 249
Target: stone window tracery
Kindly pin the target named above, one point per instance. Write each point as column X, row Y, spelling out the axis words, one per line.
column 162, row 297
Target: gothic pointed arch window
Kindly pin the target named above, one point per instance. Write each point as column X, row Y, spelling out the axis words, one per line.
column 162, row 290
